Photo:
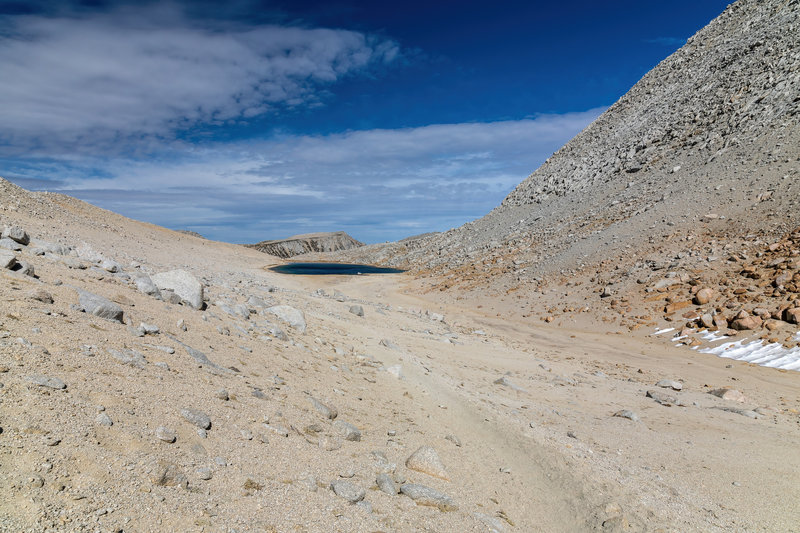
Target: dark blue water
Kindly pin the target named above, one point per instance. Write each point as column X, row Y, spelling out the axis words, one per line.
column 328, row 269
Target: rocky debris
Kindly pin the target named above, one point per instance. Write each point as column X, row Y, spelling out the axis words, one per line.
column 47, row 382
column 357, row 310
column 745, row 321
column 7, row 259
column 703, row 296
column 504, row 381
column 732, row 395
column 294, row 317
column 97, row 305
column 347, row 430
column 347, row 490
column 670, row 384
column 197, row 417
column 16, row 234
column 310, row 242
column 326, row 411
column 386, row 484
column 423, row 495
column 183, row 284
column 426, row 460
column 165, row 434
column 626, row 413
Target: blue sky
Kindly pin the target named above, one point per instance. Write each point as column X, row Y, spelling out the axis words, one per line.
column 249, row 120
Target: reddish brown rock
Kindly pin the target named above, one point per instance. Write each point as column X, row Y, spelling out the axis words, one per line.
column 792, row 316
column 703, row 296
column 747, row 322
column 671, row 308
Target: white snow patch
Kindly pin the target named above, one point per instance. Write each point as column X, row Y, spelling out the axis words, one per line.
column 659, row 332
column 773, row 355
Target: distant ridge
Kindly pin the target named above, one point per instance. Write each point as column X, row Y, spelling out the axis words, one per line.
column 310, row 242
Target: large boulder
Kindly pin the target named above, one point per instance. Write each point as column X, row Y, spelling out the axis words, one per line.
column 183, row 284
column 15, row 233
column 145, row 285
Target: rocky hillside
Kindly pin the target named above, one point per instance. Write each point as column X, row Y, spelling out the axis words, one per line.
column 308, row 243
column 706, row 147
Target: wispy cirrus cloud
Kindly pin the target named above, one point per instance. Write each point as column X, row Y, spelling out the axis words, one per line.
column 376, row 184
column 101, row 80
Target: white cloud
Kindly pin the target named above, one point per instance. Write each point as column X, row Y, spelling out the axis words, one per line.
column 96, row 80
column 376, row 184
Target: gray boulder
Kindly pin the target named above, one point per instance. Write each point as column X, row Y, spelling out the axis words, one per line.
column 99, row 306
column 357, row 310
column 15, row 233
column 47, row 382
column 183, row 284
column 349, row 491
column 8, row 244
column 197, row 417
column 7, row 259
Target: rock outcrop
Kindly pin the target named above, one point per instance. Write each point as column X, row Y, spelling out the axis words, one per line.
column 309, row 242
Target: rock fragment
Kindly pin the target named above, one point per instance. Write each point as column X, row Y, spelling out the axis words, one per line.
column 7, row 259
column 357, row 310
column 347, row 430
column 165, row 434
column 670, row 384
column 427, row 461
column 197, row 417
column 423, row 495
column 732, row 395
column 386, row 484
column 328, row 412
column 347, row 490
column 626, row 413
column 97, row 305
column 294, row 317
column 47, row 382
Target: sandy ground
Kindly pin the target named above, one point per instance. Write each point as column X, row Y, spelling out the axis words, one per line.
column 540, row 451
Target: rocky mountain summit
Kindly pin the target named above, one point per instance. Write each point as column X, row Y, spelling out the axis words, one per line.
column 307, row 243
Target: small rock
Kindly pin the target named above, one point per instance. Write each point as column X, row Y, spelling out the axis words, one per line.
column 728, row 394
column 357, row 310
column 630, row 415
column 670, row 384
column 423, row 495
column 222, row 394
column 47, row 382
column 10, row 244
column 426, row 460
column 386, row 484
column 325, row 410
column 504, row 381
column 104, row 420
column 197, row 417
column 347, row 430
column 349, row 491
column 204, row 473
column 149, row 329
column 280, row 430
column 166, row 434
column 455, row 440
column 663, row 399
column 40, row 295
